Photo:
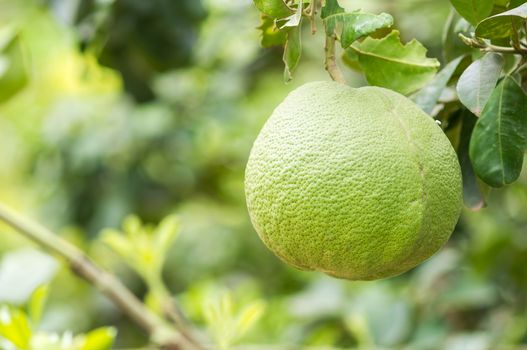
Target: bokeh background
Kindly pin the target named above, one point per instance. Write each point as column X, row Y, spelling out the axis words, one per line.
column 112, row 107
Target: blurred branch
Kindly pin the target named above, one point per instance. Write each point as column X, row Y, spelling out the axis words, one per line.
column 160, row 332
column 331, row 62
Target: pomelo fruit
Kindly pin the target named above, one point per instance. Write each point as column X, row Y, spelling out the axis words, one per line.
column 356, row 183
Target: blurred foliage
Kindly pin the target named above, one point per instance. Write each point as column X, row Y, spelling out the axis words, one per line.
column 150, row 107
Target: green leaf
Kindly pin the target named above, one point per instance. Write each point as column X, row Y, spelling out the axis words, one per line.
column 295, row 19
column 292, row 52
column 499, row 138
column 37, row 302
column 354, row 25
column 271, row 35
column 14, row 74
column 478, row 81
column 331, row 7
column 248, row 317
column 453, row 46
column 351, row 59
column 273, row 8
column 472, row 195
column 473, row 10
column 388, row 63
column 15, row 327
column 165, row 234
column 99, row 339
column 503, row 24
column 427, row 97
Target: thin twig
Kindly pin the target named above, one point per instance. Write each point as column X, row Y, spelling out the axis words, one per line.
column 331, row 62
column 484, row 46
column 159, row 331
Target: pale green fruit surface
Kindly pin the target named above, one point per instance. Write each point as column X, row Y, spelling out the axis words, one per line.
column 356, row 183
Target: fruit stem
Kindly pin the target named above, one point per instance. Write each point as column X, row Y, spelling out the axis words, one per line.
column 161, row 332
column 331, row 62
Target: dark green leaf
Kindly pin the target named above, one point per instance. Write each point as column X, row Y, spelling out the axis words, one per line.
column 292, row 52
column 472, row 195
column 273, row 8
column 502, row 25
column 452, row 45
column 271, row 35
column 473, row 10
column 499, row 138
column 516, row 3
column 331, row 7
column 388, row 63
column 427, row 97
column 477, row 82
column 353, row 25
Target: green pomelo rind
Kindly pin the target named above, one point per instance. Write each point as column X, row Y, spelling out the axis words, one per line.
column 356, row 183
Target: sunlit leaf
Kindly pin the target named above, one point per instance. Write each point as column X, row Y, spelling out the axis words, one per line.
column 165, row 234
column 473, row 10
column 37, row 302
column 248, row 317
column 99, row 339
column 388, row 63
column 15, row 327
column 427, row 97
column 353, row 25
column 478, row 81
column 273, row 8
column 503, row 24
column 292, row 52
column 499, row 138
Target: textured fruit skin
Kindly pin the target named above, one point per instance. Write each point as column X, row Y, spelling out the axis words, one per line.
column 356, row 183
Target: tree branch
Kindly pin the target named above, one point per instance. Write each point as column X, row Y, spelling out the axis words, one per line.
column 331, row 62
column 484, row 46
column 158, row 330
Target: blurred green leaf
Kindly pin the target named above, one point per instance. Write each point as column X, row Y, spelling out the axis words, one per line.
column 14, row 74
column 427, row 97
column 271, row 35
column 292, row 52
column 99, row 339
column 354, row 25
column 478, row 81
column 388, row 63
column 473, row 10
column 37, row 302
column 273, row 8
column 503, row 24
column 226, row 324
column 500, row 135
column 15, row 327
